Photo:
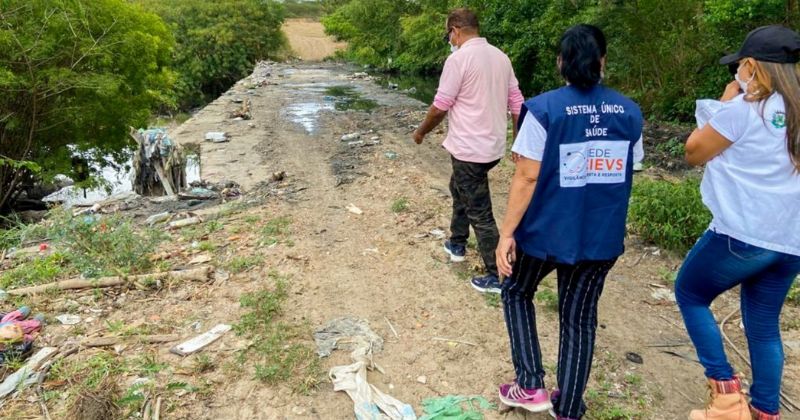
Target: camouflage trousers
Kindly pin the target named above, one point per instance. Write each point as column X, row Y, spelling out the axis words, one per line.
column 472, row 205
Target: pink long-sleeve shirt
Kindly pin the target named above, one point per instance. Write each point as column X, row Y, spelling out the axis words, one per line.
column 477, row 89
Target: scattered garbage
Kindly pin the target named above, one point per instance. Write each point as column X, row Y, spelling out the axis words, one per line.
column 243, row 113
column 159, row 165
column 390, row 155
column 438, row 233
column 356, row 143
column 198, row 193
column 26, row 375
column 369, row 401
column 351, row 137
column 422, row 379
column 67, row 319
column 350, row 331
column 3, row 295
column 158, row 218
column 200, row 259
column 189, row 221
column 455, row 407
column 355, row 210
column 17, row 333
column 278, row 176
column 664, row 294
column 201, row 341
column 217, row 137
column 634, row 358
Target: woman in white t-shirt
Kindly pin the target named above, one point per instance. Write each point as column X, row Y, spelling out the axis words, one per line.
column 751, row 185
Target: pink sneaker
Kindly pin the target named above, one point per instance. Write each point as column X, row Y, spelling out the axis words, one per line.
column 533, row 400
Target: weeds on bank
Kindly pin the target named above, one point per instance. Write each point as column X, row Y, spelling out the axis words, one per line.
column 673, row 147
column 276, row 355
column 92, row 246
column 668, row 214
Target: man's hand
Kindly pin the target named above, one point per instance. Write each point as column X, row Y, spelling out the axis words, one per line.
column 418, row 137
column 506, row 255
column 515, row 157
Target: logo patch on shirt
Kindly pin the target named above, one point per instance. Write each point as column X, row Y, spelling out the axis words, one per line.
column 593, row 162
column 779, row 119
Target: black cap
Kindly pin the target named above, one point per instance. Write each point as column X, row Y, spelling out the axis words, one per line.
column 773, row 44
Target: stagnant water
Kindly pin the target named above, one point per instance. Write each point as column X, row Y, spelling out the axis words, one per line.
column 118, row 180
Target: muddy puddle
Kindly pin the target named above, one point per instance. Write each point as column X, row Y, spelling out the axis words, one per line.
column 311, row 99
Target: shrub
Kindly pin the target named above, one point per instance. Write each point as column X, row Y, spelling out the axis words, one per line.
column 218, row 42
column 669, row 214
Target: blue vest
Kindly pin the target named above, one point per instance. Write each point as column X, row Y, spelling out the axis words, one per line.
column 580, row 204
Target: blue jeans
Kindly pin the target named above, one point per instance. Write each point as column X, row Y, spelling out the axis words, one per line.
column 716, row 264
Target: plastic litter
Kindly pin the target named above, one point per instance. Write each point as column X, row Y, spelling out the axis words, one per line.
column 350, row 331
column 217, row 137
column 67, row 319
column 351, row 137
column 370, row 403
column 158, row 218
column 456, row 407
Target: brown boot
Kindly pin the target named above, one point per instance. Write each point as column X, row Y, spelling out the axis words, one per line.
column 760, row 415
column 727, row 402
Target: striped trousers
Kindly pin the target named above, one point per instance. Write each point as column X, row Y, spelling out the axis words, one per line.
column 579, row 289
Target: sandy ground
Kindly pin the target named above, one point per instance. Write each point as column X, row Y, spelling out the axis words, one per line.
column 308, row 41
column 383, row 267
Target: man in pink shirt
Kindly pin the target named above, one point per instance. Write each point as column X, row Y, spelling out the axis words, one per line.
column 476, row 90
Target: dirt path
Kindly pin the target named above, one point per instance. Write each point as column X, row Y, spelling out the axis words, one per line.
column 381, row 265
column 308, row 41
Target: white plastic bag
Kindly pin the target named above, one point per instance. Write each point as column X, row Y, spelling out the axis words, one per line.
column 369, row 403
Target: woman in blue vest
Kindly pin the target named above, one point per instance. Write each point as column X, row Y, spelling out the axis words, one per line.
column 566, row 212
column 751, row 185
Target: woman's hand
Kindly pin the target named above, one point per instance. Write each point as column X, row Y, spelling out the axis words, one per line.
column 506, row 255
column 732, row 90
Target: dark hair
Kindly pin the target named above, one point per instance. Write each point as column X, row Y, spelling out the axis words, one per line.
column 581, row 49
column 463, row 18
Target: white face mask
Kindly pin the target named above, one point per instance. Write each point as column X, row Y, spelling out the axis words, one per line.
column 742, row 84
column 453, row 48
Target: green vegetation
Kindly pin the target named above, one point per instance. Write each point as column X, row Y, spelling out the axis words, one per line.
column 400, row 205
column 346, row 98
column 794, row 294
column 548, row 298
column 89, row 245
column 217, row 42
column 75, row 76
column 303, row 9
column 275, row 231
column 663, row 54
column 244, row 263
column 669, row 214
column 276, row 354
